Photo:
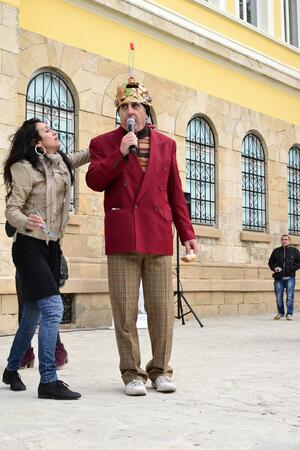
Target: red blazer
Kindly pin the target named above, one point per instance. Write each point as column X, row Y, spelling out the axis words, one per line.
column 139, row 207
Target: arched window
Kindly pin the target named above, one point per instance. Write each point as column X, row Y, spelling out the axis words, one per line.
column 294, row 191
column 253, row 184
column 49, row 99
column 200, row 171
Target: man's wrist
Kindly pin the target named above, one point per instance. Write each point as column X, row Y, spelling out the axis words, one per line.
column 125, row 157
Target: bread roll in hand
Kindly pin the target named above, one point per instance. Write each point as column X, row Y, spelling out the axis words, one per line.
column 189, row 257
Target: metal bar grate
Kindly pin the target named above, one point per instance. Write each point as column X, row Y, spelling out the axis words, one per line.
column 49, row 99
column 294, row 191
column 253, row 184
column 200, row 171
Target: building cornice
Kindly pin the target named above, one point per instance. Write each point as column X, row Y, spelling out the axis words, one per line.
column 162, row 24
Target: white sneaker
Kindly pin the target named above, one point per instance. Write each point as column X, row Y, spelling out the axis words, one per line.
column 135, row 387
column 163, row 384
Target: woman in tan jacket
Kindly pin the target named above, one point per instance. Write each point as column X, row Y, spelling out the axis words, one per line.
column 38, row 179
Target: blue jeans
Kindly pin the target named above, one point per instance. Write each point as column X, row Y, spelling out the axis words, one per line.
column 48, row 311
column 279, row 287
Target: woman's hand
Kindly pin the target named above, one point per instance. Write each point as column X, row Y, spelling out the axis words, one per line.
column 34, row 222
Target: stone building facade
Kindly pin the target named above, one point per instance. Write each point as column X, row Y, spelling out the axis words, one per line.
column 231, row 275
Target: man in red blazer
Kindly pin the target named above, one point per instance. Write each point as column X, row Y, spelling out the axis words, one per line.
column 143, row 196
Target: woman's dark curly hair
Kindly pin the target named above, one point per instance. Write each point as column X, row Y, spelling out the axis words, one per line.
column 22, row 147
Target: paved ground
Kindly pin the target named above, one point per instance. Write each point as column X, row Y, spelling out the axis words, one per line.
column 238, row 388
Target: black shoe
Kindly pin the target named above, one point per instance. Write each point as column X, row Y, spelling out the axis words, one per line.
column 14, row 379
column 58, row 390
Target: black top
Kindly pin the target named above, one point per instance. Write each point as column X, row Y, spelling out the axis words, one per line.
column 287, row 258
column 38, row 265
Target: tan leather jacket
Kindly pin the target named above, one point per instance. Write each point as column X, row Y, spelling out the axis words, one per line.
column 29, row 196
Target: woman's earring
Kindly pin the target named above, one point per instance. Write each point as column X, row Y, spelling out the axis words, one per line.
column 40, row 150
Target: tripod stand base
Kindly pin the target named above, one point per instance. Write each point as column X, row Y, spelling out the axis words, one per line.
column 180, row 313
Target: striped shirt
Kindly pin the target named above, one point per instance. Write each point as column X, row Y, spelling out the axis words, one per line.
column 144, row 152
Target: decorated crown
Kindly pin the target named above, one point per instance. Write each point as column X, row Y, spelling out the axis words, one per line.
column 132, row 92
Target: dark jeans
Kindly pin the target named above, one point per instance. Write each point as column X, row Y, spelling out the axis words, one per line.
column 279, row 287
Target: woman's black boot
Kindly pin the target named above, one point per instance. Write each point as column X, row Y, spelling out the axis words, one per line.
column 57, row 390
column 14, row 380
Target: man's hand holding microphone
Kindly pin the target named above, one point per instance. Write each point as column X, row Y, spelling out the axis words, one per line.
column 129, row 143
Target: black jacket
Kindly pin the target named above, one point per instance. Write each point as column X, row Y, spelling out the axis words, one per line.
column 288, row 258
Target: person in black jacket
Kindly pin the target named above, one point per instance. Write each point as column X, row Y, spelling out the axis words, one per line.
column 284, row 261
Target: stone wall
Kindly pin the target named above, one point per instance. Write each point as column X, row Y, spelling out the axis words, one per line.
column 9, row 49
column 230, row 276
column 215, row 289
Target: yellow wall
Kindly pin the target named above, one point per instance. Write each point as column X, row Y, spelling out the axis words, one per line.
column 234, row 30
column 76, row 27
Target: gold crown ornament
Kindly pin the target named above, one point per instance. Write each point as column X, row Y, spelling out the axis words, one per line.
column 132, row 91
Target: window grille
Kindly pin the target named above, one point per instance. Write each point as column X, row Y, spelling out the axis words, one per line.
column 253, row 184
column 50, row 100
column 200, row 171
column 294, row 191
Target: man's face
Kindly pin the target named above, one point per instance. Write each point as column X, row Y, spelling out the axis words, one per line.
column 285, row 241
column 135, row 110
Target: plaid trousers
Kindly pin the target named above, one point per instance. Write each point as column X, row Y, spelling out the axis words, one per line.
column 125, row 272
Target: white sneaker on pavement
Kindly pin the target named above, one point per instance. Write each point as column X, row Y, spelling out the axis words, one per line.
column 135, row 387
column 164, row 384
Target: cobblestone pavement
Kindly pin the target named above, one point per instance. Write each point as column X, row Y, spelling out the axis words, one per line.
column 238, row 385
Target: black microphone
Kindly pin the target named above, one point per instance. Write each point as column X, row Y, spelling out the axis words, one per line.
column 130, row 124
